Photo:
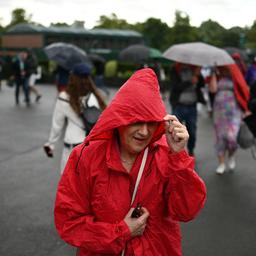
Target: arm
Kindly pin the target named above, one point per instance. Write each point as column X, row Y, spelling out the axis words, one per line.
column 98, row 95
column 74, row 218
column 58, row 124
column 213, row 84
column 185, row 192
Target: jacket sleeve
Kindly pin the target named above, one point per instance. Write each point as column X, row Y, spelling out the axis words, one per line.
column 186, row 191
column 58, row 123
column 74, row 219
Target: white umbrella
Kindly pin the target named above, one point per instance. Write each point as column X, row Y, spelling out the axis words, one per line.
column 199, row 54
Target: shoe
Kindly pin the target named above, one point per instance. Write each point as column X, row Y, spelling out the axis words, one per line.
column 231, row 163
column 221, row 169
column 38, row 97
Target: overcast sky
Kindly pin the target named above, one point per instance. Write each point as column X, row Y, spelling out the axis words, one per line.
column 228, row 13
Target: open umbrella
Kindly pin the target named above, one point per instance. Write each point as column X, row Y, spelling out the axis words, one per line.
column 138, row 53
column 95, row 58
column 199, row 54
column 67, row 55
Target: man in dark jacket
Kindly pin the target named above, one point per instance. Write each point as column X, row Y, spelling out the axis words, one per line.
column 21, row 76
column 186, row 84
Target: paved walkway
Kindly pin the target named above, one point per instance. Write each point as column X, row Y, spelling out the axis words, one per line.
column 28, row 179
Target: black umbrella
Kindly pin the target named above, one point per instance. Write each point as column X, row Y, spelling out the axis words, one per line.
column 98, row 62
column 67, row 55
column 138, row 53
column 95, row 58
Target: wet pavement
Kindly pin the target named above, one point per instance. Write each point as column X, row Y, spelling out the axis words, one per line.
column 28, row 179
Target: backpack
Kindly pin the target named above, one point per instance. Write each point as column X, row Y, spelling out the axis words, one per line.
column 89, row 116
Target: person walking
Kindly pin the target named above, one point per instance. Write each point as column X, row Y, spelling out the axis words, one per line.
column 80, row 91
column 186, row 82
column 34, row 73
column 125, row 189
column 230, row 101
column 250, row 76
column 20, row 76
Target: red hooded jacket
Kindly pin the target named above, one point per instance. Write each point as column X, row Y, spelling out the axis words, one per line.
column 95, row 190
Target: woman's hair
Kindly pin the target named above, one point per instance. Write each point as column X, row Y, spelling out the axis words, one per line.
column 78, row 86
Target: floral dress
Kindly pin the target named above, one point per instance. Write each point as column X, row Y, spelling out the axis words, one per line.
column 227, row 117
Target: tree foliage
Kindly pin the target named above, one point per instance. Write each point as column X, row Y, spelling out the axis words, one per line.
column 59, row 24
column 19, row 16
column 159, row 35
column 250, row 36
column 156, row 33
column 78, row 24
column 182, row 31
column 112, row 22
column 211, row 32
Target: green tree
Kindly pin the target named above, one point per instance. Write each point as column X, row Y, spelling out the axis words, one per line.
column 78, row 24
column 112, row 22
column 250, row 36
column 211, row 32
column 19, row 16
column 233, row 37
column 182, row 31
column 156, row 33
column 59, row 24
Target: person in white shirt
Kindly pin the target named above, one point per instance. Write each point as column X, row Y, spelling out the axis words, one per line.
column 80, row 92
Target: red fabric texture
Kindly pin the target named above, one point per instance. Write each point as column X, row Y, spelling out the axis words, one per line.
column 95, row 190
column 241, row 88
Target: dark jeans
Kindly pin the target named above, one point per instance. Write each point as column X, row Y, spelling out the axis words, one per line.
column 188, row 114
column 22, row 82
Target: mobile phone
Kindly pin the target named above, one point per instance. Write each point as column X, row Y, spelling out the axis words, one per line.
column 48, row 151
column 137, row 212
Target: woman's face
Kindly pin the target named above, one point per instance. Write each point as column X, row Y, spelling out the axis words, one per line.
column 135, row 137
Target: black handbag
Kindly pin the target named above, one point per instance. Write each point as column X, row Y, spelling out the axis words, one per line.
column 251, row 123
column 245, row 138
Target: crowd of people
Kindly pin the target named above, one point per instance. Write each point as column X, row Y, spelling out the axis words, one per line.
column 230, row 100
column 131, row 179
column 146, row 153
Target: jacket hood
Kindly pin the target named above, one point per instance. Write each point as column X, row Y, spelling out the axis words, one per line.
column 138, row 100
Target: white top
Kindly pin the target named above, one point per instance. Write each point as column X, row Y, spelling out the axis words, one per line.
column 65, row 119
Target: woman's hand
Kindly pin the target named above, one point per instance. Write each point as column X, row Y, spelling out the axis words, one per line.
column 137, row 225
column 246, row 113
column 176, row 133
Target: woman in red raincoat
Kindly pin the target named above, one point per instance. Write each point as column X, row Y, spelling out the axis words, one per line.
column 93, row 203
